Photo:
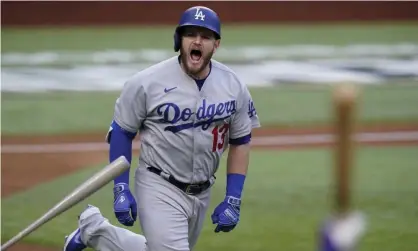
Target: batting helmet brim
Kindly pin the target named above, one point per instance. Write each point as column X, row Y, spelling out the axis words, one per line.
column 209, row 27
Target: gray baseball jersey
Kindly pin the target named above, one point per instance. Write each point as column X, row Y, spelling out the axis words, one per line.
column 184, row 130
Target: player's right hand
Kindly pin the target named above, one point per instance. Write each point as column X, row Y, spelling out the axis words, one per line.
column 124, row 204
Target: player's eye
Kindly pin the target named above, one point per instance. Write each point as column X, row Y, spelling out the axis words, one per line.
column 190, row 33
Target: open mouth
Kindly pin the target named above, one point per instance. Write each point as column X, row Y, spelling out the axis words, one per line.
column 195, row 55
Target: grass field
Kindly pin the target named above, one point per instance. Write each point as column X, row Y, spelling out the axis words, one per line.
column 61, row 112
column 280, row 213
column 51, row 113
column 97, row 38
column 284, row 210
column 72, row 112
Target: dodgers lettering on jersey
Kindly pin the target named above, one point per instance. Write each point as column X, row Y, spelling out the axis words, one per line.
column 184, row 131
column 206, row 114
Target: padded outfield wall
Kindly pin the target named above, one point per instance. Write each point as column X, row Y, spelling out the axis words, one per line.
column 123, row 13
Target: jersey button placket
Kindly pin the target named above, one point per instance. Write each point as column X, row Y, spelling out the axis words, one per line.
column 197, row 131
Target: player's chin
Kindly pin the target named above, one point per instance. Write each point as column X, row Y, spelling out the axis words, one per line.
column 195, row 70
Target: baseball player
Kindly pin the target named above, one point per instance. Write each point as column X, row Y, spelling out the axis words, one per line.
column 188, row 110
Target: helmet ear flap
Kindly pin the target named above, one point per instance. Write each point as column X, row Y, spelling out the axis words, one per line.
column 177, row 41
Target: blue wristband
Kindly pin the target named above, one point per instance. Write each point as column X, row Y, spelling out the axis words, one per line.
column 234, row 184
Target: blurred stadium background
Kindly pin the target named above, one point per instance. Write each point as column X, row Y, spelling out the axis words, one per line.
column 64, row 63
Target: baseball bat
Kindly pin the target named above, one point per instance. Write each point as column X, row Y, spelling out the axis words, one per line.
column 94, row 183
column 345, row 97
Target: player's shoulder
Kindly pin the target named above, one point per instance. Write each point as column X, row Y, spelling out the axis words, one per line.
column 153, row 72
column 222, row 68
column 226, row 72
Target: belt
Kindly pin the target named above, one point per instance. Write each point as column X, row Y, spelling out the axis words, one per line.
column 191, row 189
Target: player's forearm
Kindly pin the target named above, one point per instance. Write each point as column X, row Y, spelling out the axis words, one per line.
column 120, row 145
column 237, row 166
column 238, row 158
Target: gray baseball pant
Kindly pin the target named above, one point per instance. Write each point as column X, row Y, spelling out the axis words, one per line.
column 170, row 219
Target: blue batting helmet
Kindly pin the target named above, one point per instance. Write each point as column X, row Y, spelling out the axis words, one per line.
column 198, row 16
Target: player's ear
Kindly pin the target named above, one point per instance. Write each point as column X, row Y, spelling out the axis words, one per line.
column 217, row 44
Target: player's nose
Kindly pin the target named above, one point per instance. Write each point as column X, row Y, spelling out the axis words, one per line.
column 198, row 39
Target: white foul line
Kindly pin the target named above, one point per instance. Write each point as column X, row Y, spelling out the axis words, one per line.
column 410, row 136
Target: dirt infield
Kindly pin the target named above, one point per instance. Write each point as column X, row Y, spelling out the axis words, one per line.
column 54, row 156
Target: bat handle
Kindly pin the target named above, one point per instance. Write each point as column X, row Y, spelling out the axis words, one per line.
column 80, row 193
column 25, row 232
column 36, row 224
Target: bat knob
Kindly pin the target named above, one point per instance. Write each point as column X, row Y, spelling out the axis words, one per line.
column 345, row 93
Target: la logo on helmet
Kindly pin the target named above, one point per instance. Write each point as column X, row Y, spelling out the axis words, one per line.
column 199, row 14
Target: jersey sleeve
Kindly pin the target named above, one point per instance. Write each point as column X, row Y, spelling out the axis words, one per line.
column 130, row 108
column 245, row 118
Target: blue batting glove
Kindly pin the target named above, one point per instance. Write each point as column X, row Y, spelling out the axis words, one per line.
column 226, row 214
column 124, row 204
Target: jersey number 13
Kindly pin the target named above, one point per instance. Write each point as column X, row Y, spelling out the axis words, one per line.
column 219, row 133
